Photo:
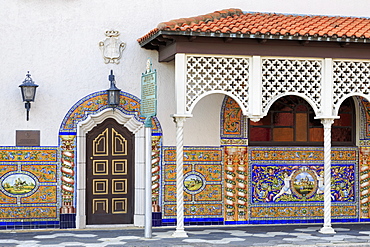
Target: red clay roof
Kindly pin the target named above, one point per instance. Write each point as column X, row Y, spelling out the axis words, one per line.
column 234, row 21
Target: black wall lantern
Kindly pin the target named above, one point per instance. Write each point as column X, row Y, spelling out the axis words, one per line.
column 113, row 92
column 28, row 89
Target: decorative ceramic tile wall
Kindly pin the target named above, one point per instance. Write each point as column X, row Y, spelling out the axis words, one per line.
column 97, row 102
column 94, row 103
column 364, row 182
column 203, row 183
column 364, row 158
column 295, row 182
column 233, row 123
column 29, row 194
column 261, row 185
column 271, row 170
column 364, row 118
column 236, row 184
column 156, row 172
column 287, row 184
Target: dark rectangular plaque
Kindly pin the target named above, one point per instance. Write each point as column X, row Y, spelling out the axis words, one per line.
column 27, row 137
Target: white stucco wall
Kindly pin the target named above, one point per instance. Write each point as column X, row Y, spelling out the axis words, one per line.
column 203, row 129
column 58, row 42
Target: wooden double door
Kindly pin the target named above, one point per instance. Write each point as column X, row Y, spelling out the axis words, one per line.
column 109, row 174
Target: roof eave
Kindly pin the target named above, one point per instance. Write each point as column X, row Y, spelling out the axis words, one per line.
column 145, row 43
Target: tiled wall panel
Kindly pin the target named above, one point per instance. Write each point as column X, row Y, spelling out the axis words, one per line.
column 29, row 193
column 287, row 184
column 203, row 183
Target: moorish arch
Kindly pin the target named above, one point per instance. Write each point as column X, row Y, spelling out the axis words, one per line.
column 304, row 97
column 80, row 119
column 256, row 82
column 234, row 126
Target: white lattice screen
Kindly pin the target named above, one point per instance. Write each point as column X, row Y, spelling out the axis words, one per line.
column 210, row 73
column 280, row 76
column 350, row 77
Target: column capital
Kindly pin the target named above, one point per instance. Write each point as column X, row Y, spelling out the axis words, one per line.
column 327, row 122
column 180, row 119
column 182, row 115
column 254, row 118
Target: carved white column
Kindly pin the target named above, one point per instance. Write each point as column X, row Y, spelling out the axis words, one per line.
column 180, row 232
column 327, row 229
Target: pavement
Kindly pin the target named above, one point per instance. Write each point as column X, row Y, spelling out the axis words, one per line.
column 240, row 235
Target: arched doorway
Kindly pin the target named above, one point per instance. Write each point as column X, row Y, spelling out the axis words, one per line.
column 83, row 117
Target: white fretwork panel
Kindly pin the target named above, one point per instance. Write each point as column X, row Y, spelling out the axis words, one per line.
column 281, row 76
column 350, row 77
column 210, row 73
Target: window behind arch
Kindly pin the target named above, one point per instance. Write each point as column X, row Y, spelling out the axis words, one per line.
column 291, row 121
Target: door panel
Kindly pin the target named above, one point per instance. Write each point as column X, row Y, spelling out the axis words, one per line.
column 109, row 174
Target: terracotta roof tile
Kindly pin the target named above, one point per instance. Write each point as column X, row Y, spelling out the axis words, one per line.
column 235, row 21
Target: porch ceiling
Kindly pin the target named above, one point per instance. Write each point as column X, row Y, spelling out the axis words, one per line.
column 238, row 27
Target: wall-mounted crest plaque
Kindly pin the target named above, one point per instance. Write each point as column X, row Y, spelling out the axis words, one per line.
column 112, row 47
